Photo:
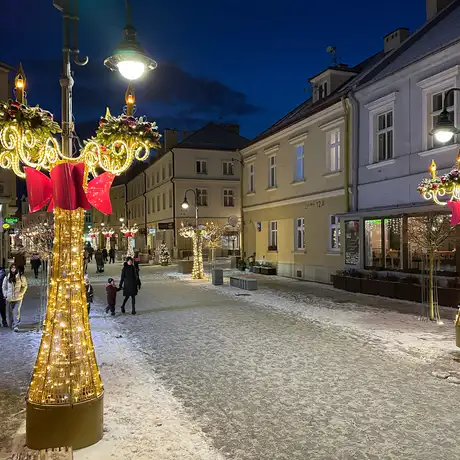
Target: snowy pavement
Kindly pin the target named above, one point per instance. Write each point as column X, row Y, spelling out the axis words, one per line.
column 206, row 372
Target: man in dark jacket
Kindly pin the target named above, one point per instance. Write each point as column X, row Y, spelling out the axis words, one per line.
column 2, row 299
column 99, row 261
column 130, row 283
column 112, row 256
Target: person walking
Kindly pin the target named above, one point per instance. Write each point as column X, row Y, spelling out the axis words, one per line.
column 91, row 252
column 2, row 299
column 130, row 283
column 105, row 255
column 112, row 256
column 137, row 260
column 111, row 290
column 99, row 261
column 35, row 263
column 89, row 293
column 14, row 287
column 20, row 262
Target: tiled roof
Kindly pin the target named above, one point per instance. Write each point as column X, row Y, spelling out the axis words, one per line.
column 214, row 137
column 309, row 107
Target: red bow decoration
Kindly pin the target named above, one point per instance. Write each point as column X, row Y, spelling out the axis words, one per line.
column 454, row 207
column 64, row 189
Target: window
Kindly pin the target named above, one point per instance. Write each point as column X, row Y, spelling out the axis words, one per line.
column 300, row 234
column 163, row 199
column 384, row 136
column 436, row 104
column 153, row 204
column 170, row 169
column 201, row 167
column 252, row 170
column 272, row 172
column 163, row 173
column 273, row 236
column 147, row 178
column 170, row 198
column 142, row 210
column 149, row 206
column 383, row 243
column 158, row 203
column 227, row 168
column 333, row 148
column 322, row 91
column 299, row 162
column 158, row 177
column 201, row 197
column 152, row 179
column 228, row 198
column 334, row 233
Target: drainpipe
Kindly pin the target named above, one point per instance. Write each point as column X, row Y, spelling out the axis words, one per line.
column 174, row 198
column 145, row 207
column 346, row 185
column 355, row 148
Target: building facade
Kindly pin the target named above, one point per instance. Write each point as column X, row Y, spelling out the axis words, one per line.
column 397, row 105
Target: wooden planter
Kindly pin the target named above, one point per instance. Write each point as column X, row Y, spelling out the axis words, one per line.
column 408, row 291
column 338, row 281
column 353, row 284
column 256, row 269
column 370, row 286
column 448, row 297
column 267, row 270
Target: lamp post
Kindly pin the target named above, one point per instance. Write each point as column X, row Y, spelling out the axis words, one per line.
column 196, row 235
column 64, row 403
column 445, row 128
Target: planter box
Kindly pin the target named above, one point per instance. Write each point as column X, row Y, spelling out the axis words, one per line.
column 448, row 297
column 370, row 286
column 256, row 269
column 338, row 281
column 387, row 289
column 407, row 291
column 353, row 284
column 185, row 266
column 267, row 270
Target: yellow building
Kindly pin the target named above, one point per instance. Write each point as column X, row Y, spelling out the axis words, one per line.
column 296, row 181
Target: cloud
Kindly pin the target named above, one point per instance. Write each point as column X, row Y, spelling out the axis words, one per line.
column 170, row 95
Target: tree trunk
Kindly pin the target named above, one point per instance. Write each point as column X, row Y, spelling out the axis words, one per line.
column 431, row 285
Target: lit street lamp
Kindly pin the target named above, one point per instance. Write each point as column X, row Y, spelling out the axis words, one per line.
column 445, row 129
column 185, row 204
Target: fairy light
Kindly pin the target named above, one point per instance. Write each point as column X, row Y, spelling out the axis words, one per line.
column 108, row 233
column 196, row 234
column 130, row 233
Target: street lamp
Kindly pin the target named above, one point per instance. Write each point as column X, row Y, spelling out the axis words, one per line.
column 445, row 129
column 185, row 204
column 129, row 58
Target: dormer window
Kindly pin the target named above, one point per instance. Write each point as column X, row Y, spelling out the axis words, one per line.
column 322, row 90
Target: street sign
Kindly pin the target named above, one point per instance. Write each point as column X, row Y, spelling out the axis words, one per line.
column 166, row 226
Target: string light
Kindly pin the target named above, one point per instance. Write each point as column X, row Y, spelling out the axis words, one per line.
column 130, row 233
column 197, row 235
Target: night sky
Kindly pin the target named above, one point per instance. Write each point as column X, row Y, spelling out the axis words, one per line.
column 235, row 61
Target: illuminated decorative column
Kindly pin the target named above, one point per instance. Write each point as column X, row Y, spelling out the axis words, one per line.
column 64, row 404
column 196, row 234
column 130, row 233
column 108, row 236
column 94, row 235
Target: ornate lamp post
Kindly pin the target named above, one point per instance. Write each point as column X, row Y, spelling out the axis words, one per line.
column 93, row 233
column 65, row 399
column 108, row 233
column 130, row 233
column 197, row 238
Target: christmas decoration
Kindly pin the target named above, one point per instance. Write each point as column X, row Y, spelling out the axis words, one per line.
column 66, row 393
column 108, row 233
column 130, row 233
column 197, row 235
column 93, row 233
column 38, row 238
column 213, row 236
column 164, row 254
column 447, row 185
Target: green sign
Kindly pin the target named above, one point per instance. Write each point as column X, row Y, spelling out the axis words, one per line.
column 11, row 220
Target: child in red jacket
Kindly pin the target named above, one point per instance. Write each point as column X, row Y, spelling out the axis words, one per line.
column 111, row 290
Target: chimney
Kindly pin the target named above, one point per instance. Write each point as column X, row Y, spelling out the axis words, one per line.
column 170, row 139
column 394, row 39
column 433, row 7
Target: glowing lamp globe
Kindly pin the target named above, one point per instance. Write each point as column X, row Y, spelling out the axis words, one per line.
column 185, row 205
column 443, row 136
column 444, row 130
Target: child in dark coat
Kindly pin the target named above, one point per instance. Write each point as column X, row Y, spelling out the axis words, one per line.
column 111, row 290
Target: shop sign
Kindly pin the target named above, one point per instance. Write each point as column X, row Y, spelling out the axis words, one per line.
column 166, row 226
column 11, row 220
column 6, row 226
column 152, row 231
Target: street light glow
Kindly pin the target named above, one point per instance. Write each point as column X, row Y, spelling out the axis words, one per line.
column 185, row 204
column 443, row 135
column 131, row 70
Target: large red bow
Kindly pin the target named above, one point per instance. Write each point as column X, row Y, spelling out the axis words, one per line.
column 64, row 189
column 454, row 207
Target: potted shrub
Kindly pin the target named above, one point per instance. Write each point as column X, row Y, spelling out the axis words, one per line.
column 353, row 280
column 241, row 265
column 370, row 284
column 256, row 268
column 268, row 269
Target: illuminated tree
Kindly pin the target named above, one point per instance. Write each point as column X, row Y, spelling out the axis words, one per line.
column 213, row 238
column 196, row 234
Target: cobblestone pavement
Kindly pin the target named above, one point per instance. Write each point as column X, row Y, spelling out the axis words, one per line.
column 265, row 385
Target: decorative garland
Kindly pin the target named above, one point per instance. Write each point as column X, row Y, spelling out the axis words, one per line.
column 446, row 182
column 35, row 119
column 122, row 128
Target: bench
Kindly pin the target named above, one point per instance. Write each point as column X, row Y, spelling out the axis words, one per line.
column 249, row 284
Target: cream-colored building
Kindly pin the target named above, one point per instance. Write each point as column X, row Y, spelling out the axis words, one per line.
column 296, row 182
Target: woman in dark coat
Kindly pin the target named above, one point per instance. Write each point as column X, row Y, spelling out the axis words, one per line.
column 130, row 283
column 99, row 261
column 35, row 263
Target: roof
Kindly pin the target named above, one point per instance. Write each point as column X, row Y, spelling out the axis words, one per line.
column 6, row 67
column 338, row 67
column 308, row 108
column 439, row 32
column 213, row 137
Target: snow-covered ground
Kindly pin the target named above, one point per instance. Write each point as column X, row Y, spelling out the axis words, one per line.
column 212, row 372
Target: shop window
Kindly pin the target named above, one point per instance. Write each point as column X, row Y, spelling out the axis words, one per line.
column 373, row 243
column 393, row 246
column 383, row 243
column 352, row 242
